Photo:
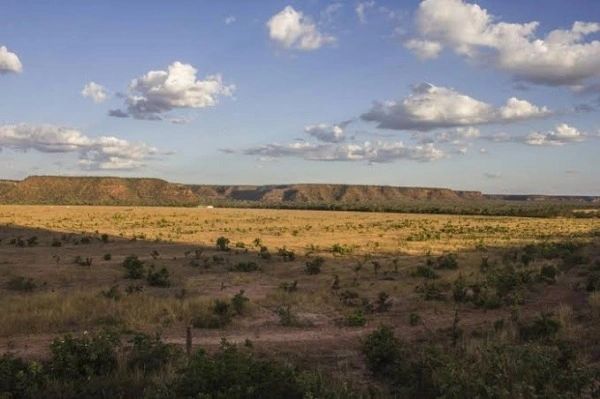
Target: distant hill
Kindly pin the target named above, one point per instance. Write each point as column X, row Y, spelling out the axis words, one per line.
column 59, row 190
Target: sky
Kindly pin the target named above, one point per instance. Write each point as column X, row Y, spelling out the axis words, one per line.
column 494, row 96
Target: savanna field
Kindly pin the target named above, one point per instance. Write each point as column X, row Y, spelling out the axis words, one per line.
column 285, row 303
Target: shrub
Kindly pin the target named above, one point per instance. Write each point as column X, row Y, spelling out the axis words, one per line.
column 459, row 289
column 235, row 374
column 150, row 353
column 414, row 319
column 246, row 266
column 593, row 282
column 56, row 243
column 431, row 292
column 447, row 262
column 548, row 274
column 89, row 355
column 113, row 293
column 357, row 318
column 220, row 315
column 383, row 352
column 286, row 317
column 17, row 378
column 287, row 254
column 134, row 268
column 425, row 272
column 314, row 266
column 23, row 284
column 104, row 238
column 349, row 298
column 541, row 327
column 158, row 278
column 107, row 257
column 264, row 253
column 223, row 244
column 238, row 302
column 341, row 250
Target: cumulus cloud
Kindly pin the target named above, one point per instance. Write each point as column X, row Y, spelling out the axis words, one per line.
column 9, row 62
column 94, row 91
column 371, row 152
column 430, row 107
column 460, row 133
column 561, row 135
column 94, row 153
column 229, row 20
column 562, row 57
column 292, row 30
column 158, row 92
column 424, row 49
column 327, row 133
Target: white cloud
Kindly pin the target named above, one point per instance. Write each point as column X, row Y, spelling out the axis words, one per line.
column 229, row 20
column 492, row 175
column 327, row 133
column 460, row 133
column 293, row 30
column 361, row 9
column 562, row 57
column 94, row 91
column 424, row 49
column 94, row 153
column 158, row 92
column 561, row 135
column 9, row 62
column 430, row 107
column 371, row 152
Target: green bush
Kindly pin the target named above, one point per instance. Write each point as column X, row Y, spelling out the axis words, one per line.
column 223, row 244
column 313, row 266
column 448, row 262
column 541, row 327
column 548, row 274
column 150, row 354
column 134, row 268
column 158, row 278
column 287, row 254
column 22, row 284
column 286, row 317
column 249, row 266
column 235, row 374
column 431, row 291
column 425, row 272
column 385, row 355
column 89, row 355
column 107, row 257
column 357, row 318
column 264, row 253
column 238, row 302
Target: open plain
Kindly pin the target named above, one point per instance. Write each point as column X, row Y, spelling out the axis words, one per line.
column 303, row 286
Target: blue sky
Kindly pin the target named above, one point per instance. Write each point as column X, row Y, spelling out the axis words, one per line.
column 501, row 97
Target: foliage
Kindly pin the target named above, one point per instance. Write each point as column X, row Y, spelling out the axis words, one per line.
column 84, row 356
column 286, row 317
column 313, row 266
column 287, row 254
column 235, row 374
column 357, row 318
column 289, row 287
column 22, row 284
column 158, row 278
column 134, row 268
column 150, row 353
column 223, row 244
column 238, row 302
column 249, row 266
column 425, row 272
